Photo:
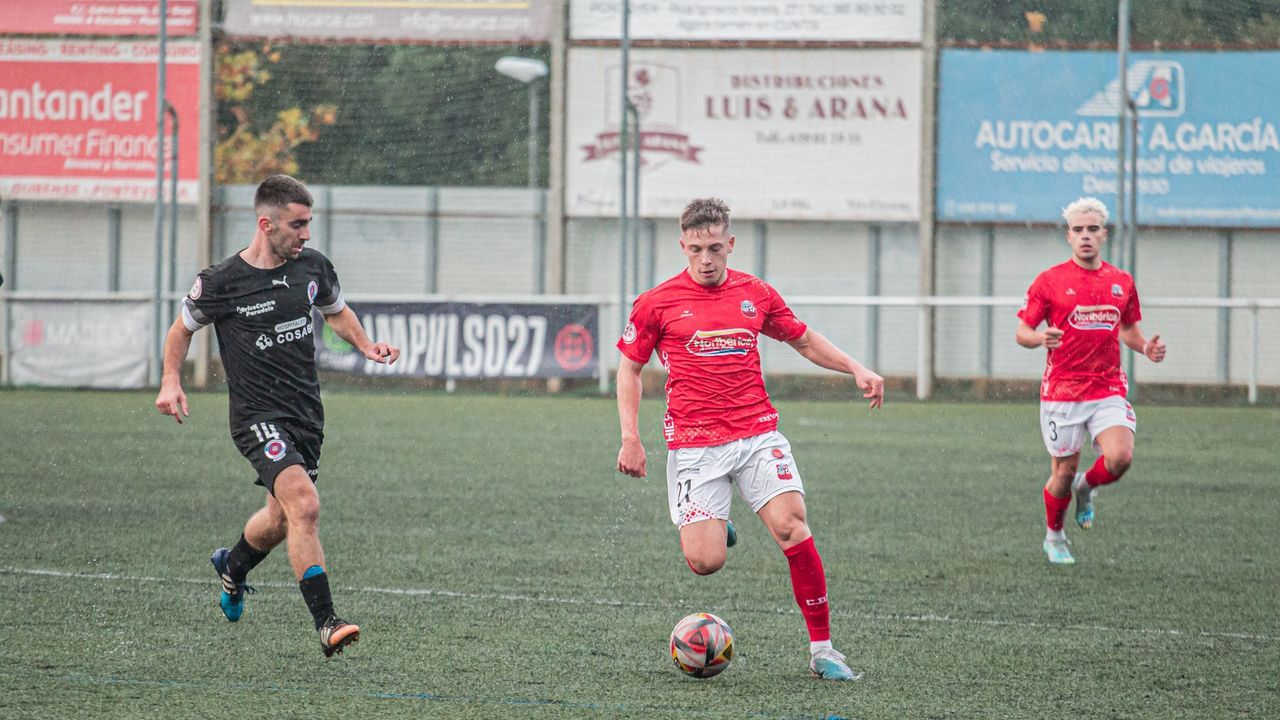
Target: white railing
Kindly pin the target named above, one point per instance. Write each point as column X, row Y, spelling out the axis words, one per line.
column 609, row 316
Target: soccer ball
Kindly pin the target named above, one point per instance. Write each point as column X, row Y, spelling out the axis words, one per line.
column 702, row 645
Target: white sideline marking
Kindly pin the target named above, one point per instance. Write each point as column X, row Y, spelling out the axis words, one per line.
column 605, row 602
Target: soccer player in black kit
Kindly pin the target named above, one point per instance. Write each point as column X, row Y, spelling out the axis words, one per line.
column 259, row 302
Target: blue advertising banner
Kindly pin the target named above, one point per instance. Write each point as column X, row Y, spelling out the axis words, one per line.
column 1021, row 134
column 470, row 340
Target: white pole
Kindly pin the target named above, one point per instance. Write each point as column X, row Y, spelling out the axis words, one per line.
column 1254, row 353
column 157, row 314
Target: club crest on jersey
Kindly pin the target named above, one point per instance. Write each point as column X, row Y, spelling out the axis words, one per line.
column 1115, row 290
column 312, row 289
column 274, row 450
column 196, row 289
column 748, row 309
column 713, row 343
column 1095, row 317
column 629, row 333
column 784, row 471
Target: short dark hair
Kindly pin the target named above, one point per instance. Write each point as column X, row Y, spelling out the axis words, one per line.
column 278, row 192
column 703, row 213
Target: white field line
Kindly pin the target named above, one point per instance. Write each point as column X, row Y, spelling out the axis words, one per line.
column 607, row 602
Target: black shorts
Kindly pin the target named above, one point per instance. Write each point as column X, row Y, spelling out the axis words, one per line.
column 273, row 445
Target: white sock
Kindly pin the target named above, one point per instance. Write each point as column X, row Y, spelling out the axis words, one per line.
column 816, row 645
column 1055, row 535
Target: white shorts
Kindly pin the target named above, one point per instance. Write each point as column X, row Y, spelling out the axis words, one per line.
column 699, row 479
column 1063, row 424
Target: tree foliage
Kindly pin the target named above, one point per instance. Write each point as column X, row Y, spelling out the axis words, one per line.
column 420, row 115
column 382, row 114
column 250, row 147
column 1184, row 23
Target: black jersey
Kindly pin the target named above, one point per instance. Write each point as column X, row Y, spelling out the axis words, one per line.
column 266, row 333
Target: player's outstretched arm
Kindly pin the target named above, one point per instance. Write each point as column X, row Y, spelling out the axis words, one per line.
column 172, row 400
column 1029, row 337
column 631, row 458
column 820, row 351
column 347, row 325
column 1132, row 337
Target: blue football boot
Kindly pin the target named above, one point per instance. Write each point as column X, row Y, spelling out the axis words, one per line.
column 232, row 598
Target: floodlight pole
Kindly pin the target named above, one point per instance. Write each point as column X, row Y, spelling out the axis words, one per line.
column 1122, row 129
column 623, row 111
column 529, row 71
column 161, row 59
column 533, row 135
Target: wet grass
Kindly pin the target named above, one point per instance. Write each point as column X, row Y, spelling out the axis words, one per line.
column 501, row 568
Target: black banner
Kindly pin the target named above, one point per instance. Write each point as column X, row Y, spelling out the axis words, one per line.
column 472, row 341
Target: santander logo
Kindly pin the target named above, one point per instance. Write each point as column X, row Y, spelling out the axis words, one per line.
column 731, row 341
column 1095, row 317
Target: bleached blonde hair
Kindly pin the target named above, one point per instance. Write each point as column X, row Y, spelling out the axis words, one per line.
column 1085, row 205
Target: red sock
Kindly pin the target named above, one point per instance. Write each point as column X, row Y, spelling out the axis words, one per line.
column 1098, row 474
column 809, row 583
column 1055, row 509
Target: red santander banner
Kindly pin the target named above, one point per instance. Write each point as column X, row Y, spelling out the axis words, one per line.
column 96, row 17
column 78, row 119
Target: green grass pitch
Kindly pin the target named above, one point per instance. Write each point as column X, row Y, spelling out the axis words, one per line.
column 500, row 567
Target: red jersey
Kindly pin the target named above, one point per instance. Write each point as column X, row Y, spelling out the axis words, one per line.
column 1089, row 306
column 706, row 339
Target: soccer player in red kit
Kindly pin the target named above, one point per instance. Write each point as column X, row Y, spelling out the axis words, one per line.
column 1089, row 307
column 720, row 428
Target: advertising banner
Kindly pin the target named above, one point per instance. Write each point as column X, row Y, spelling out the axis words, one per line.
column 778, row 134
column 65, row 344
column 78, row 119
column 505, row 21
column 1022, row 134
column 96, row 17
column 776, row 20
column 472, row 340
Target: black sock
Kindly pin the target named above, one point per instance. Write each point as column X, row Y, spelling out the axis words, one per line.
column 315, row 590
column 243, row 558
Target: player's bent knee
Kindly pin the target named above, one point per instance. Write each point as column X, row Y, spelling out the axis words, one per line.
column 1119, row 463
column 704, row 566
column 794, row 531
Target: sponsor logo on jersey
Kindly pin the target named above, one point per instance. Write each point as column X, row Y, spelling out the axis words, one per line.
column 1071, row 291
column 629, row 333
column 777, row 452
column 768, row 417
column 274, row 450
column 284, row 280
column 312, row 289
column 294, row 330
column 784, row 471
column 263, row 342
column 1094, row 317
column 714, row 343
column 1115, row 290
column 196, row 289
column 256, row 308
column 297, row 323
column 748, row 309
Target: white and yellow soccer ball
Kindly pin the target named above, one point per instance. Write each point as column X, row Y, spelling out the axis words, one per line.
column 702, row 645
